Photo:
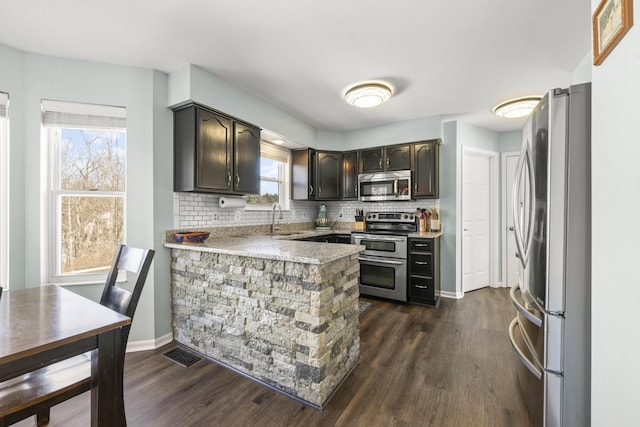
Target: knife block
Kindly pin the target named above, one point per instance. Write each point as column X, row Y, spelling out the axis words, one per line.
column 359, row 226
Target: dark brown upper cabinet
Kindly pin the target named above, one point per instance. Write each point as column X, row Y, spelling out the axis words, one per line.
column 350, row 175
column 246, row 159
column 390, row 158
column 316, row 175
column 303, row 177
column 426, row 176
column 214, row 153
column 328, row 175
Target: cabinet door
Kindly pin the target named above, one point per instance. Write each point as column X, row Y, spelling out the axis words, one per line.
column 303, row 175
column 246, row 163
column 398, row 158
column 371, row 160
column 328, row 174
column 350, row 175
column 426, row 176
column 213, row 151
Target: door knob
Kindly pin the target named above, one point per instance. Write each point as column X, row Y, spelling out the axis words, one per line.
column 511, row 228
column 466, row 229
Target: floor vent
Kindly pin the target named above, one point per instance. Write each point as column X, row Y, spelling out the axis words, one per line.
column 181, row 357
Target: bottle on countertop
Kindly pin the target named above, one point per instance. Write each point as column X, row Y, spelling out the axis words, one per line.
column 423, row 221
column 435, row 220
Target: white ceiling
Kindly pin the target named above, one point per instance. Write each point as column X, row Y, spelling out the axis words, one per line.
column 454, row 58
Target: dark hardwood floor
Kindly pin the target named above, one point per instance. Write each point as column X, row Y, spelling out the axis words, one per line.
column 420, row 366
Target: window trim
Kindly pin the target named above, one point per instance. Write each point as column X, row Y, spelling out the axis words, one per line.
column 4, row 189
column 282, row 155
column 79, row 118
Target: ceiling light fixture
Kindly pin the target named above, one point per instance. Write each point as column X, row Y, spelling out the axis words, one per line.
column 516, row 108
column 368, row 95
column 278, row 141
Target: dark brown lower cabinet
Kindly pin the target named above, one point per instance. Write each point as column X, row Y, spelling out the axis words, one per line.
column 424, row 270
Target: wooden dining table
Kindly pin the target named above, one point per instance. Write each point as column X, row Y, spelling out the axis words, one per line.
column 44, row 325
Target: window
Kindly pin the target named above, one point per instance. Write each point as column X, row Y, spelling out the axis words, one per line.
column 4, row 191
column 86, row 145
column 274, row 178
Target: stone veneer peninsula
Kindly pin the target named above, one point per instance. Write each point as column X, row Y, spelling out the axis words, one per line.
column 282, row 312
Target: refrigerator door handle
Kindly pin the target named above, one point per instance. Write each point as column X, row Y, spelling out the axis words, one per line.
column 530, row 365
column 523, row 237
column 522, row 309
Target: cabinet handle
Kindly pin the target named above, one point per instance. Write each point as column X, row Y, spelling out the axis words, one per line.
column 237, row 180
column 420, row 287
column 421, row 263
column 311, row 190
column 380, row 163
column 319, row 190
column 228, row 178
column 388, row 163
column 420, row 245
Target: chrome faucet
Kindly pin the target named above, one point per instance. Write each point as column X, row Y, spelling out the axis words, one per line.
column 273, row 217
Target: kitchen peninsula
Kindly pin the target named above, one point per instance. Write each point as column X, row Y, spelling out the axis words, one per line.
column 282, row 312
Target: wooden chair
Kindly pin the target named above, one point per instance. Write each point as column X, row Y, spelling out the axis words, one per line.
column 36, row 392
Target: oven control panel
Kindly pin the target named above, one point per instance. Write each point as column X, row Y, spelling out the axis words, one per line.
column 398, row 217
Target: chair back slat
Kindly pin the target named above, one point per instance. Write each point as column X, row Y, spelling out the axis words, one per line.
column 117, row 299
column 132, row 260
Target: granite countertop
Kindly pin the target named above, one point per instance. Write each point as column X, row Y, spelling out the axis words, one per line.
column 278, row 246
column 426, row 234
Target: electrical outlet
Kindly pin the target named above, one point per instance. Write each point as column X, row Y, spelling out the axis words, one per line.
column 237, row 216
column 340, row 214
column 215, row 217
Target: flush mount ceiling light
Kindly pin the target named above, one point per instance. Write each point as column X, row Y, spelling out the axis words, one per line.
column 367, row 95
column 515, row 108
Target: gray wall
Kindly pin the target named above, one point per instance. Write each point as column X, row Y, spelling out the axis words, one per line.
column 615, row 233
column 30, row 78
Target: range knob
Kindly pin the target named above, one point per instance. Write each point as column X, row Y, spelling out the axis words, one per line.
column 406, row 216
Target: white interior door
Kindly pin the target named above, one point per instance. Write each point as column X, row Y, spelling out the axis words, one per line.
column 476, row 224
column 511, row 262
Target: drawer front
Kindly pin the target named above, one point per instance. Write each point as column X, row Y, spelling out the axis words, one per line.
column 421, row 264
column 421, row 245
column 422, row 288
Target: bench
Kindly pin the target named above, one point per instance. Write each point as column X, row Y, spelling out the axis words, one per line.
column 36, row 392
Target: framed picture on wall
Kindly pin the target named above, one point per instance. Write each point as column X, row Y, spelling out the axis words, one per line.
column 611, row 20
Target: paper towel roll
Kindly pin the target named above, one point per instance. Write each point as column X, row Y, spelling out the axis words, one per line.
column 232, row 202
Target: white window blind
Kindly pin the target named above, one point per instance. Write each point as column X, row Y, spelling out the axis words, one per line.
column 4, row 101
column 84, row 116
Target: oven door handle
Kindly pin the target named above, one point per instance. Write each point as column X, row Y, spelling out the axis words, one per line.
column 380, row 260
column 379, row 237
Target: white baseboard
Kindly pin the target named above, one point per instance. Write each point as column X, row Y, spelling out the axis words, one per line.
column 134, row 346
column 454, row 295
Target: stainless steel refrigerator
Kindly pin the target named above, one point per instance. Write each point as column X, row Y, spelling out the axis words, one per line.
column 551, row 333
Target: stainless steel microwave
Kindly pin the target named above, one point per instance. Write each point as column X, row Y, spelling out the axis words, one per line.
column 385, row 186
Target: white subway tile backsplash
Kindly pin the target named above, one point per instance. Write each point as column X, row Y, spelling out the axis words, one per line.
column 202, row 210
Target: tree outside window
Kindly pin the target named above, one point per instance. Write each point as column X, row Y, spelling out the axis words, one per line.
column 274, row 172
column 90, row 198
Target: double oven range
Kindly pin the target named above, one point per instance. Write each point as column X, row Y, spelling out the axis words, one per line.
column 383, row 264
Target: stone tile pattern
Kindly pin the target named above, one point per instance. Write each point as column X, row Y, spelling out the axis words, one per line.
column 293, row 326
